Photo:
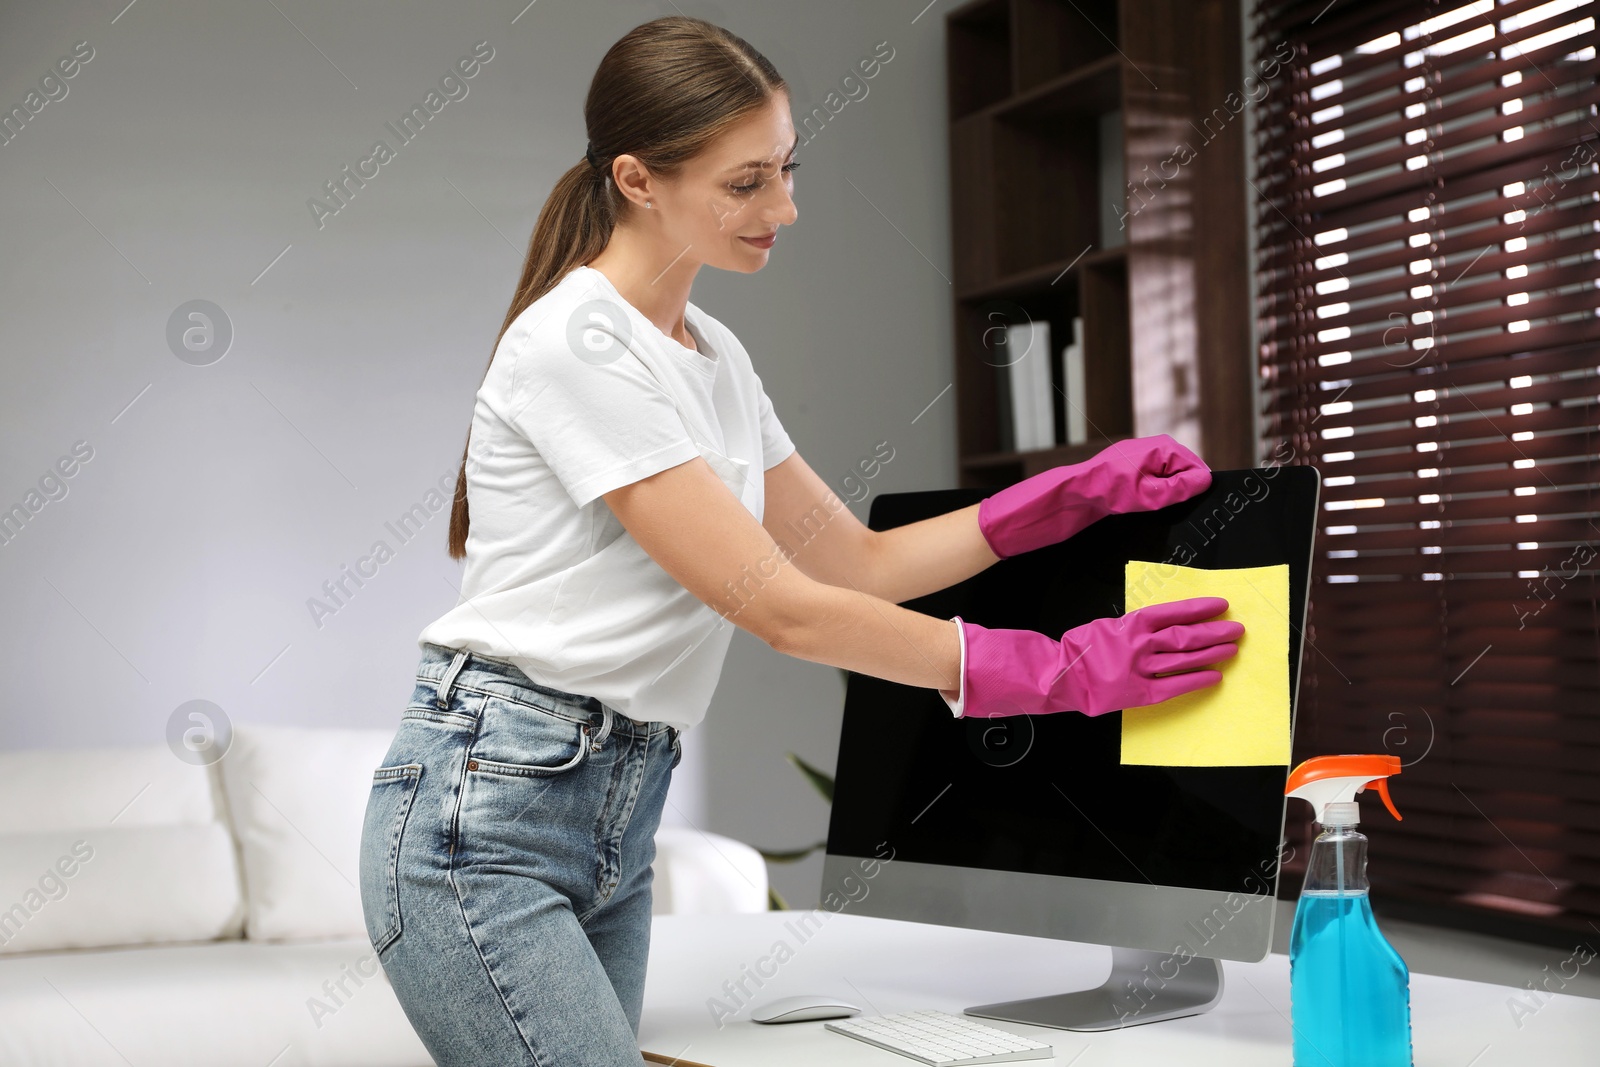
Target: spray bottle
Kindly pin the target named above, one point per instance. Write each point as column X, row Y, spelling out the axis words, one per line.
column 1349, row 990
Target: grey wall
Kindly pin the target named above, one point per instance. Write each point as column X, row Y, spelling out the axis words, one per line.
column 177, row 561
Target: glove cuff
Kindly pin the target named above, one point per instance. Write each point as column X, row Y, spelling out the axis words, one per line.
column 1042, row 510
column 958, row 706
column 1010, row 672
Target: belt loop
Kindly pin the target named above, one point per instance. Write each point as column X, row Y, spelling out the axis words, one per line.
column 605, row 727
column 449, row 679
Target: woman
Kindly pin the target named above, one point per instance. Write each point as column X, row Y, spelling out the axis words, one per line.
column 629, row 487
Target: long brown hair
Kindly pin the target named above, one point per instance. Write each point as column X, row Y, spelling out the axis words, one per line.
column 662, row 93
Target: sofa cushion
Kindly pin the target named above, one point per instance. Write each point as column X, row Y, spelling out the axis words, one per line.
column 121, row 846
column 72, row 789
column 114, row 885
column 297, row 797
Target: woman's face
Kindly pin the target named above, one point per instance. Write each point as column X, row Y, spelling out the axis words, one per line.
column 740, row 187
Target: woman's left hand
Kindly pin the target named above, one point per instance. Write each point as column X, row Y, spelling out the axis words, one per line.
column 1140, row 474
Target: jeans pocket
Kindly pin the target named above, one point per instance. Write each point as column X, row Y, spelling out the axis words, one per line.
column 517, row 738
column 388, row 805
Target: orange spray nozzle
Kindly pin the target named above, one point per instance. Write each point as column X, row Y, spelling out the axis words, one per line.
column 1324, row 780
column 1382, row 786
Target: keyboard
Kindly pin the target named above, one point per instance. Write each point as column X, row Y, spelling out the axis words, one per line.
column 941, row 1039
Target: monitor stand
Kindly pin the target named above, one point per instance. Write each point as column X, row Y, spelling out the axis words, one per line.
column 1138, row 991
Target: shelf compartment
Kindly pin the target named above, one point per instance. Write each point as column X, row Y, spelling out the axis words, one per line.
column 980, row 379
column 978, row 39
column 1035, row 163
column 1092, row 89
column 1053, row 37
column 1096, row 292
column 1046, row 189
column 972, row 181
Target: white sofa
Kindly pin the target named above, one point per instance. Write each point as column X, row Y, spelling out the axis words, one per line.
column 158, row 912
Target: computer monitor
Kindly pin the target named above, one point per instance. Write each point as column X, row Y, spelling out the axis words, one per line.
column 1031, row 824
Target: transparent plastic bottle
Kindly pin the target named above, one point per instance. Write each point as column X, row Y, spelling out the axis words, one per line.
column 1349, row 990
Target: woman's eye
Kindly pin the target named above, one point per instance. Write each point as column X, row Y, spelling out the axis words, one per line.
column 756, row 185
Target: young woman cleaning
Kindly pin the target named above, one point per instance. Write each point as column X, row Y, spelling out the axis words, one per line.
column 633, row 497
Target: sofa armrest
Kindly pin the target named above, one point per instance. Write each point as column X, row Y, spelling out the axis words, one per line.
column 699, row 873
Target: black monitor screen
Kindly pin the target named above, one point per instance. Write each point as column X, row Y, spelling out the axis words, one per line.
column 1048, row 794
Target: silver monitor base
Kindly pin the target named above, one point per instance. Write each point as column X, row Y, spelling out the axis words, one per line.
column 1144, row 987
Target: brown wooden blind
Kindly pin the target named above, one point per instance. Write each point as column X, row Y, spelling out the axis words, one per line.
column 1428, row 243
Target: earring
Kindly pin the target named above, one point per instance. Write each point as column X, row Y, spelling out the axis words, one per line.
column 648, row 204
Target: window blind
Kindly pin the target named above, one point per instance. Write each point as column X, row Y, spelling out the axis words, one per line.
column 1427, row 218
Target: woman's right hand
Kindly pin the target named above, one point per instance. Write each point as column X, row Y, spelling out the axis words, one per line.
column 1103, row 665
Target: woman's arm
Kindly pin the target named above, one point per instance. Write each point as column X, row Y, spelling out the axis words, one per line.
column 829, row 544
column 688, row 522
column 923, row 557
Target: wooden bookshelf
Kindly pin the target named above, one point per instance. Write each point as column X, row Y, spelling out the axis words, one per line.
column 1042, row 231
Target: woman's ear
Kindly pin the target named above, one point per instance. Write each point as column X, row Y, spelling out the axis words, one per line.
column 633, row 178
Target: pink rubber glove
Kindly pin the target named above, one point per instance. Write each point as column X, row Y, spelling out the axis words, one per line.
column 1141, row 474
column 1101, row 666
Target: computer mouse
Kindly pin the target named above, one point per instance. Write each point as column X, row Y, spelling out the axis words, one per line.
column 803, row 1009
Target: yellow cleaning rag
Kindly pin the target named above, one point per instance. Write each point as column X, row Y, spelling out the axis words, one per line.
column 1243, row 720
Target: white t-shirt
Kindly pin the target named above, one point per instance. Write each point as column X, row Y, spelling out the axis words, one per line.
column 585, row 394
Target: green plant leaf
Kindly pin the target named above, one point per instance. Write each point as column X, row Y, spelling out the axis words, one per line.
column 790, row 855
column 820, row 779
column 824, row 785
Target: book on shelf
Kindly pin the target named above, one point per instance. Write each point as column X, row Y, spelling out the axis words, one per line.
column 1113, row 183
column 1005, row 422
column 1029, row 389
column 1072, row 380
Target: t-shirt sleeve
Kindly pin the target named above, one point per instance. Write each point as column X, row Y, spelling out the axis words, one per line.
column 599, row 423
column 775, row 444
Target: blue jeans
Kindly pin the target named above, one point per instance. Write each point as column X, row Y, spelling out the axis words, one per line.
column 505, row 866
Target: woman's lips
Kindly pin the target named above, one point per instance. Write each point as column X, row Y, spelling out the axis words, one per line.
column 761, row 242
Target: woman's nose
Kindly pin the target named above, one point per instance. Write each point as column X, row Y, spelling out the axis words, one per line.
column 784, row 212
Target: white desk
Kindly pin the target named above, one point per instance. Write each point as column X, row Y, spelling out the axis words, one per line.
column 887, row 966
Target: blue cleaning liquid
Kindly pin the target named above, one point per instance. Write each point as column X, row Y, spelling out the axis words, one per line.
column 1349, row 990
